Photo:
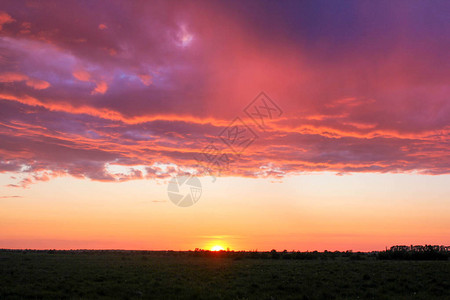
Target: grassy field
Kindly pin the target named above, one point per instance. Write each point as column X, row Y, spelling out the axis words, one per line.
column 155, row 275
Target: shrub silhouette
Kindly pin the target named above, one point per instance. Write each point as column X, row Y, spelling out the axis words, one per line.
column 427, row 252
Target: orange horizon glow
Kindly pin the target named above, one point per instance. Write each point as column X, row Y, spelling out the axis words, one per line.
column 136, row 215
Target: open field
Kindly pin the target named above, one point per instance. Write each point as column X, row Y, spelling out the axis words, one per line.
column 183, row 275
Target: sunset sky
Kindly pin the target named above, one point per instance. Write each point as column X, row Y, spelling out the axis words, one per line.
column 103, row 102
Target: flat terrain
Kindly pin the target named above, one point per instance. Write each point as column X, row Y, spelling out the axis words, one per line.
column 136, row 275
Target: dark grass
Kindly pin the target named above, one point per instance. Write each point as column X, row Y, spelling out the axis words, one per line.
column 161, row 275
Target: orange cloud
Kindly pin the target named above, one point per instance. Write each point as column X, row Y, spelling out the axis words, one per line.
column 110, row 114
column 37, row 84
column 82, row 75
column 12, row 77
column 101, row 88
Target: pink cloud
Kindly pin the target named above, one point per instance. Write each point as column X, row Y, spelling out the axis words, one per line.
column 5, row 19
column 131, row 94
column 146, row 79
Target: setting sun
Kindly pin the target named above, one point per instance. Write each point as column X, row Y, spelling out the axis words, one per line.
column 217, row 248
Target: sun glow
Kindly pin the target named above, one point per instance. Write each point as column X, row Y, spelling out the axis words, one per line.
column 217, row 248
